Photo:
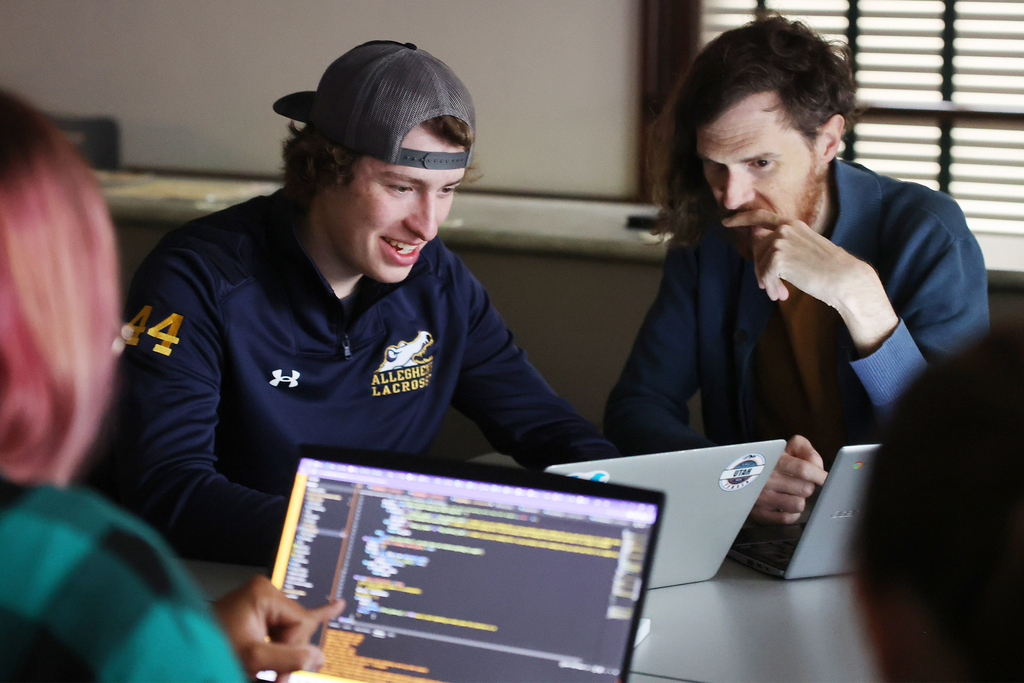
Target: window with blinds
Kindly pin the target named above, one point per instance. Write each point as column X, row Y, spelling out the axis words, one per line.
column 942, row 83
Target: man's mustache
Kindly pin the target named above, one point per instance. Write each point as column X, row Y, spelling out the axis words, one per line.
column 729, row 213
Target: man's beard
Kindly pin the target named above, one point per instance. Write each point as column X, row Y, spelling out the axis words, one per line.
column 809, row 206
column 813, row 201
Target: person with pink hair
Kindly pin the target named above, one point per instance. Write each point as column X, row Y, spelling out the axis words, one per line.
column 88, row 591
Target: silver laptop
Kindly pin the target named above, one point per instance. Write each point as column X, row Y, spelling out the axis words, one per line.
column 822, row 545
column 465, row 572
column 709, row 493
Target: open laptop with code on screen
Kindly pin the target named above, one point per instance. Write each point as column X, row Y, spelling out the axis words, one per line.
column 464, row 572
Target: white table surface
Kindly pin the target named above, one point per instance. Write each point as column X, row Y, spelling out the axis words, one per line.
column 743, row 625
column 739, row 626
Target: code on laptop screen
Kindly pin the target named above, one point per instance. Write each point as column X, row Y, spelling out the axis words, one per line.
column 457, row 580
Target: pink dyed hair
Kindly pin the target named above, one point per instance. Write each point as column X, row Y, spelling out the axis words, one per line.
column 59, row 300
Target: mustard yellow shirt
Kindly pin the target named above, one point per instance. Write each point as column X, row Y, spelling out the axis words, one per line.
column 796, row 389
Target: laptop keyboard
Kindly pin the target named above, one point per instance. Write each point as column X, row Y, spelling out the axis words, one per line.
column 776, row 553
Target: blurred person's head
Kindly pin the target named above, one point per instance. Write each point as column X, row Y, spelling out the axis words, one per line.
column 59, row 300
column 804, row 81
column 941, row 568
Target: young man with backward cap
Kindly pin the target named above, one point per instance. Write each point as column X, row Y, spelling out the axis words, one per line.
column 806, row 293
column 326, row 313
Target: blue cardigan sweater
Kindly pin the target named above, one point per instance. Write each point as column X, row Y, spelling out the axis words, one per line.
column 701, row 331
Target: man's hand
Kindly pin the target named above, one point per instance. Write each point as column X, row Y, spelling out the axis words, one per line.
column 786, row 250
column 257, row 612
column 785, row 494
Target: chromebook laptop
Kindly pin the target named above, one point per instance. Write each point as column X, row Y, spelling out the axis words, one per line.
column 457, row 571
column 822, row 545
column 709, row 493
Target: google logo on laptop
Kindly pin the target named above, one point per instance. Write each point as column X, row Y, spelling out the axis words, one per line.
column 857, row 465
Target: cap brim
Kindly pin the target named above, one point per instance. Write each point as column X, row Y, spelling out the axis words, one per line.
column 297, row 106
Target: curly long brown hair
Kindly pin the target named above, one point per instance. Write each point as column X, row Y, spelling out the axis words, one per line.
column 812, row 77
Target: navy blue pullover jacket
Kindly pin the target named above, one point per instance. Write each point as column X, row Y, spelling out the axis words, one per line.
column 239, row 351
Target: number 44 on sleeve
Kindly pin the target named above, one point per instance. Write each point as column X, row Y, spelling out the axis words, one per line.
column 138, row 325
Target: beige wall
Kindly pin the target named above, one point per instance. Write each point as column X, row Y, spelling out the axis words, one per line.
column 191, row 81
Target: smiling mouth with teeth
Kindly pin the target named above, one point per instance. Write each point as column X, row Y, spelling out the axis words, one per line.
column 401, row 247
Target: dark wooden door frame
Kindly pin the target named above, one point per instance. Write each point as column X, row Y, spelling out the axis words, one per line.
column 669, row 40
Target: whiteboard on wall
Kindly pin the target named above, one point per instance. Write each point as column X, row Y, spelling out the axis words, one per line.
column 191, row 82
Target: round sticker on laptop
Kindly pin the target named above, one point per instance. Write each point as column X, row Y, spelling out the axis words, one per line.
column 742, row 472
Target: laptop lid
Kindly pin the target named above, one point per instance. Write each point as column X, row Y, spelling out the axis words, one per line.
column 457, row 571
column 823, row 546
column 709, row 493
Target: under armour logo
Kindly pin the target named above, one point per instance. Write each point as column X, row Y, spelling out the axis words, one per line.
column 293, row 380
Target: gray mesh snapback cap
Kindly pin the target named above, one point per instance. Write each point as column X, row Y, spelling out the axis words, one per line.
column 373, row 95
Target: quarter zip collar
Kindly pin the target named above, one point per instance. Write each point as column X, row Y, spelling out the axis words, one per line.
column 309, row 283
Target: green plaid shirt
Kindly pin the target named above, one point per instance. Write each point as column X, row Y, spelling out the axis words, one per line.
column 88, row 592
